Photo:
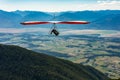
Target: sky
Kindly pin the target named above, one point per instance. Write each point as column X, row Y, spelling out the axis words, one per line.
column 59, row 5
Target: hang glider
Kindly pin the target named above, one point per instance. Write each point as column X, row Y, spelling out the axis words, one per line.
column 54, row 30
column 53, row 22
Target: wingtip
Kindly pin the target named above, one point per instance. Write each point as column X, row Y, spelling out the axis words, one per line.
column 22, row 23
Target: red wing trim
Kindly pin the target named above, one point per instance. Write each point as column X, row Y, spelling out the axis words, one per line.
column 73, row 22
column 33, row 23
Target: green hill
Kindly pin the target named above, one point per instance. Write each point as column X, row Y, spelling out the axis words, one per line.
column 17, row 63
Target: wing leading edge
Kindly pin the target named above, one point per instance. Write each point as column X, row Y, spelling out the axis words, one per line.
column 54, row 22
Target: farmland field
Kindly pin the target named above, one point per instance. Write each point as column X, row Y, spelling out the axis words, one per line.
column 97, row 48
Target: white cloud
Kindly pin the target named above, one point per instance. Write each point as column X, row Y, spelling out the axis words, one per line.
column 110, row 2
column 103, row 5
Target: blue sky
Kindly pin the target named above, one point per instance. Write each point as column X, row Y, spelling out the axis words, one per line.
column 59, row 5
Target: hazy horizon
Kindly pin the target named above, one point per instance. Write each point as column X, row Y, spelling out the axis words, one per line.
column 58, row 11
column 59, row 6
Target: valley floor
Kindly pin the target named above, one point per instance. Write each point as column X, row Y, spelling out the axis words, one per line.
column 97, row 48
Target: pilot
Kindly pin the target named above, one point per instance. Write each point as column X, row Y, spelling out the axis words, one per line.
column 54, row 31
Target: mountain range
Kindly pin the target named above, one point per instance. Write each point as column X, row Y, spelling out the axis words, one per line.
column 105, row 20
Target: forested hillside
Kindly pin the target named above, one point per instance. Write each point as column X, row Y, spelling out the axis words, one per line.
column 17, row 63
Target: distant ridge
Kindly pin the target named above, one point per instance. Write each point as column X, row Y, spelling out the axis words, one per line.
column 105, row 19
column 17, row 63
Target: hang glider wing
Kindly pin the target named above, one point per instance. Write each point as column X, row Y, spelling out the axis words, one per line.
column 73, row 22
column 34, row 22
column 54, row 22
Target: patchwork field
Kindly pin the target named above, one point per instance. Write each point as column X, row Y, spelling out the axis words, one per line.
column 97, row 48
